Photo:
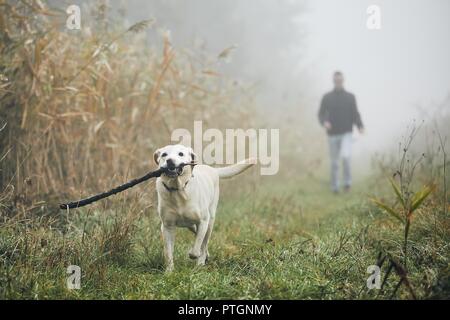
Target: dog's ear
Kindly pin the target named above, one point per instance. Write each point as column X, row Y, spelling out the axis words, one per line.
column 194, row 157
column 156, row 156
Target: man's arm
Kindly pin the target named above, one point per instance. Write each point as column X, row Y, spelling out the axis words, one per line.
column 323, row 112
column 356, row 116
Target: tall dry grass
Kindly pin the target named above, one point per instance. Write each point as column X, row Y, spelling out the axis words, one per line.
column 85, row 109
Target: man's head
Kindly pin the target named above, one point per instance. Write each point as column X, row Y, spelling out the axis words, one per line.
column 338, row 80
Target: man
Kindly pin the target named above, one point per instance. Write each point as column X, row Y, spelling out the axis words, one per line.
column 337, row 114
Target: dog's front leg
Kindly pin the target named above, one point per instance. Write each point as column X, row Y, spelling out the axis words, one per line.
column 168, row 233
column 195, row 252
column 204, row 254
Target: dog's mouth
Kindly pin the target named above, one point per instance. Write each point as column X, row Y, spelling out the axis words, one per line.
column 173, row 171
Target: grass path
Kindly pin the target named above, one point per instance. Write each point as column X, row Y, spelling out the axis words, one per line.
column 281, row 244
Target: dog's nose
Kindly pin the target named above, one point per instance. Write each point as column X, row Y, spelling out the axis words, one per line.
column 170, row 164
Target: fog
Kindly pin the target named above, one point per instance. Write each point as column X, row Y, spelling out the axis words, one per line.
column 393, row 70
column 287, row 51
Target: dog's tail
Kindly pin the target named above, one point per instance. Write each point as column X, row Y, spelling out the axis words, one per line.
column 235, row 169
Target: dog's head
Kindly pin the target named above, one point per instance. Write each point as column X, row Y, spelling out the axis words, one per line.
column 174, row 158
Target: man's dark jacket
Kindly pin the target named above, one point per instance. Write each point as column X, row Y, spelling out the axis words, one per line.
column 338, row 107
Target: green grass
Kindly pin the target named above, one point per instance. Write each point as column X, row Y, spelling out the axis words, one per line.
column 295, row 241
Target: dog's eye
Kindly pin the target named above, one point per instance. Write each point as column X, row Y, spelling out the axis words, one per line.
column 181, row 154
column 164, row 154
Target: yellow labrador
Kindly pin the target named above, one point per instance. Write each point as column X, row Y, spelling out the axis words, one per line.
column 188, row 197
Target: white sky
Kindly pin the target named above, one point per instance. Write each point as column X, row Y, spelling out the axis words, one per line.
column 390, row 70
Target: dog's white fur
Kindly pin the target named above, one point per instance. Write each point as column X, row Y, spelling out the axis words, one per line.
column 188, row 198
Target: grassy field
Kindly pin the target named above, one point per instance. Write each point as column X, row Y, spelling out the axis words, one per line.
column 293, row 241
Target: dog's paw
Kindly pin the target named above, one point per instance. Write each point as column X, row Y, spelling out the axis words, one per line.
column 169, row 269
column 201, row 261
column 193, row 254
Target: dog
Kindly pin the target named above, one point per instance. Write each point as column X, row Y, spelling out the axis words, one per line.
column 188, row 194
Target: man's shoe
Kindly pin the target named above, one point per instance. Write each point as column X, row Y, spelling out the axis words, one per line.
column 347, row 189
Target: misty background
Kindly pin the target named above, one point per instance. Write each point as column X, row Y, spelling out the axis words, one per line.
column 285, row 52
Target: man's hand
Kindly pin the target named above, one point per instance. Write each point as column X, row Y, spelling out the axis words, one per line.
column 327, row 125
column 361, row 130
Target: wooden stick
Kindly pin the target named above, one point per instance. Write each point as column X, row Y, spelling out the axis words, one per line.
column 125, row 186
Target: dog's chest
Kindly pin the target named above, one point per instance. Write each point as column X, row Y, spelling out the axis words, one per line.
column 180, row 210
